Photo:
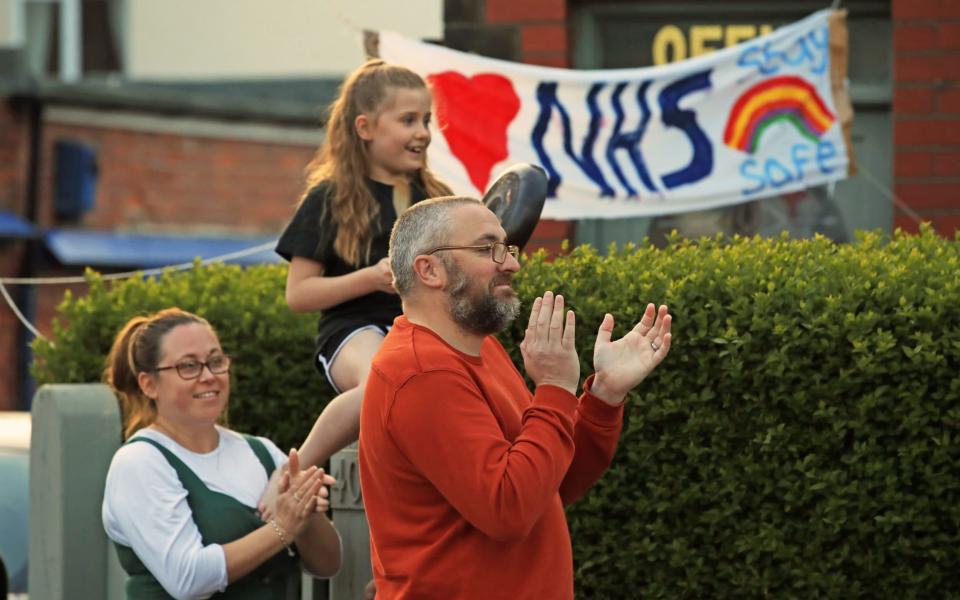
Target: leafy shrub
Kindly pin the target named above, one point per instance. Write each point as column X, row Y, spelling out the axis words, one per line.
column 276, row 391
column 801, row 440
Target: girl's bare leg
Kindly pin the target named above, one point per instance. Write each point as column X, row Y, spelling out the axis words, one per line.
column 339, row 423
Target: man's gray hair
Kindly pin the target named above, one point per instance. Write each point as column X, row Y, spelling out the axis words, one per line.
column 419, row 229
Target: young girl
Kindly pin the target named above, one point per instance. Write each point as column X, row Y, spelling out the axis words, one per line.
column 371, row 166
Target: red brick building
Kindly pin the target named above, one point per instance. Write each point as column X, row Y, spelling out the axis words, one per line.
column 926, row 111
column 217, row 161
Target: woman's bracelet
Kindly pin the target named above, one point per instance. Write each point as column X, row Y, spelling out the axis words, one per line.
column 283, row 539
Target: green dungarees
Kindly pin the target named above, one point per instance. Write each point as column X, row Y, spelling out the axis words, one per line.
column 220, row 519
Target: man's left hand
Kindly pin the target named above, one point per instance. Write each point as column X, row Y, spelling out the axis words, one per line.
column 622, row 365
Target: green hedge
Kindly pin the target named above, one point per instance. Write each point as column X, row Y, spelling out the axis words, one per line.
column 801, row 440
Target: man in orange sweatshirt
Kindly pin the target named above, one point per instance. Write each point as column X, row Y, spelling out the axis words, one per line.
column 465, row 472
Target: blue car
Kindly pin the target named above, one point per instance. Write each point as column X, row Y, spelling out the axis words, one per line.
column 14, row 501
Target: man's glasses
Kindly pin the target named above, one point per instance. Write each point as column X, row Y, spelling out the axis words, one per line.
column 498, row 251
column 191, row 369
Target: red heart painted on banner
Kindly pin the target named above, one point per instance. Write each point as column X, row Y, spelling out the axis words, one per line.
column 473, row 115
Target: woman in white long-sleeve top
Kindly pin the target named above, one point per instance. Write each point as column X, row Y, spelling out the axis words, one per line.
column 181, row 493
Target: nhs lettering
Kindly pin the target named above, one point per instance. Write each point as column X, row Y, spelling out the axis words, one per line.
column 622, row 148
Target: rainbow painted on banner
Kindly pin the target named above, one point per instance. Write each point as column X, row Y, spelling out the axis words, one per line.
column 785, row 98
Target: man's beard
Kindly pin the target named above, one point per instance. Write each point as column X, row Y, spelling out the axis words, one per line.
column 477, row 310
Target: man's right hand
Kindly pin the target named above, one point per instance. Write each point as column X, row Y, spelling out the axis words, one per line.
column 548, row 349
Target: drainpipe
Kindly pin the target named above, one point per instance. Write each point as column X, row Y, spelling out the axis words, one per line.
column 26, row 295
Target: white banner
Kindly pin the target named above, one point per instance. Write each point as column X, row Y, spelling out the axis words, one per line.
column 751, row 121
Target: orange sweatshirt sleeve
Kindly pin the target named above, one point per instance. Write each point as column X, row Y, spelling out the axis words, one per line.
column 499, row 487
column 596, row 432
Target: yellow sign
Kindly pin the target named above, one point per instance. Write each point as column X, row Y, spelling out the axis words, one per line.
column 672, row 44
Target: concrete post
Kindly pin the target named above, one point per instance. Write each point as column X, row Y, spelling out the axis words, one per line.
column 76, row 430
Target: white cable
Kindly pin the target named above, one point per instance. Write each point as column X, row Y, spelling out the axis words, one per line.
column 889, row 194
column 140, row 273
column 111, row 276
column 19, row 315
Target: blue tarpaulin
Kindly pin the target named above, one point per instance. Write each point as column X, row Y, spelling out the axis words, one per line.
column 116, row 249
column 14, row 226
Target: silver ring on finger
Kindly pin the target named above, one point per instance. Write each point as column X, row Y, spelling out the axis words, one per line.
column 654, row 346
column 297, row 497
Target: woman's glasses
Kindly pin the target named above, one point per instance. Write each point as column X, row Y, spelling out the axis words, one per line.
column 191, row 369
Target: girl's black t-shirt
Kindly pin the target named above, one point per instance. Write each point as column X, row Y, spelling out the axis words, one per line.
column 311, row 234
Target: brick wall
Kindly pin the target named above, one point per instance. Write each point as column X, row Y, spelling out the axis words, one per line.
column 543, row 28
column 163, row 181
column 926, row 111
